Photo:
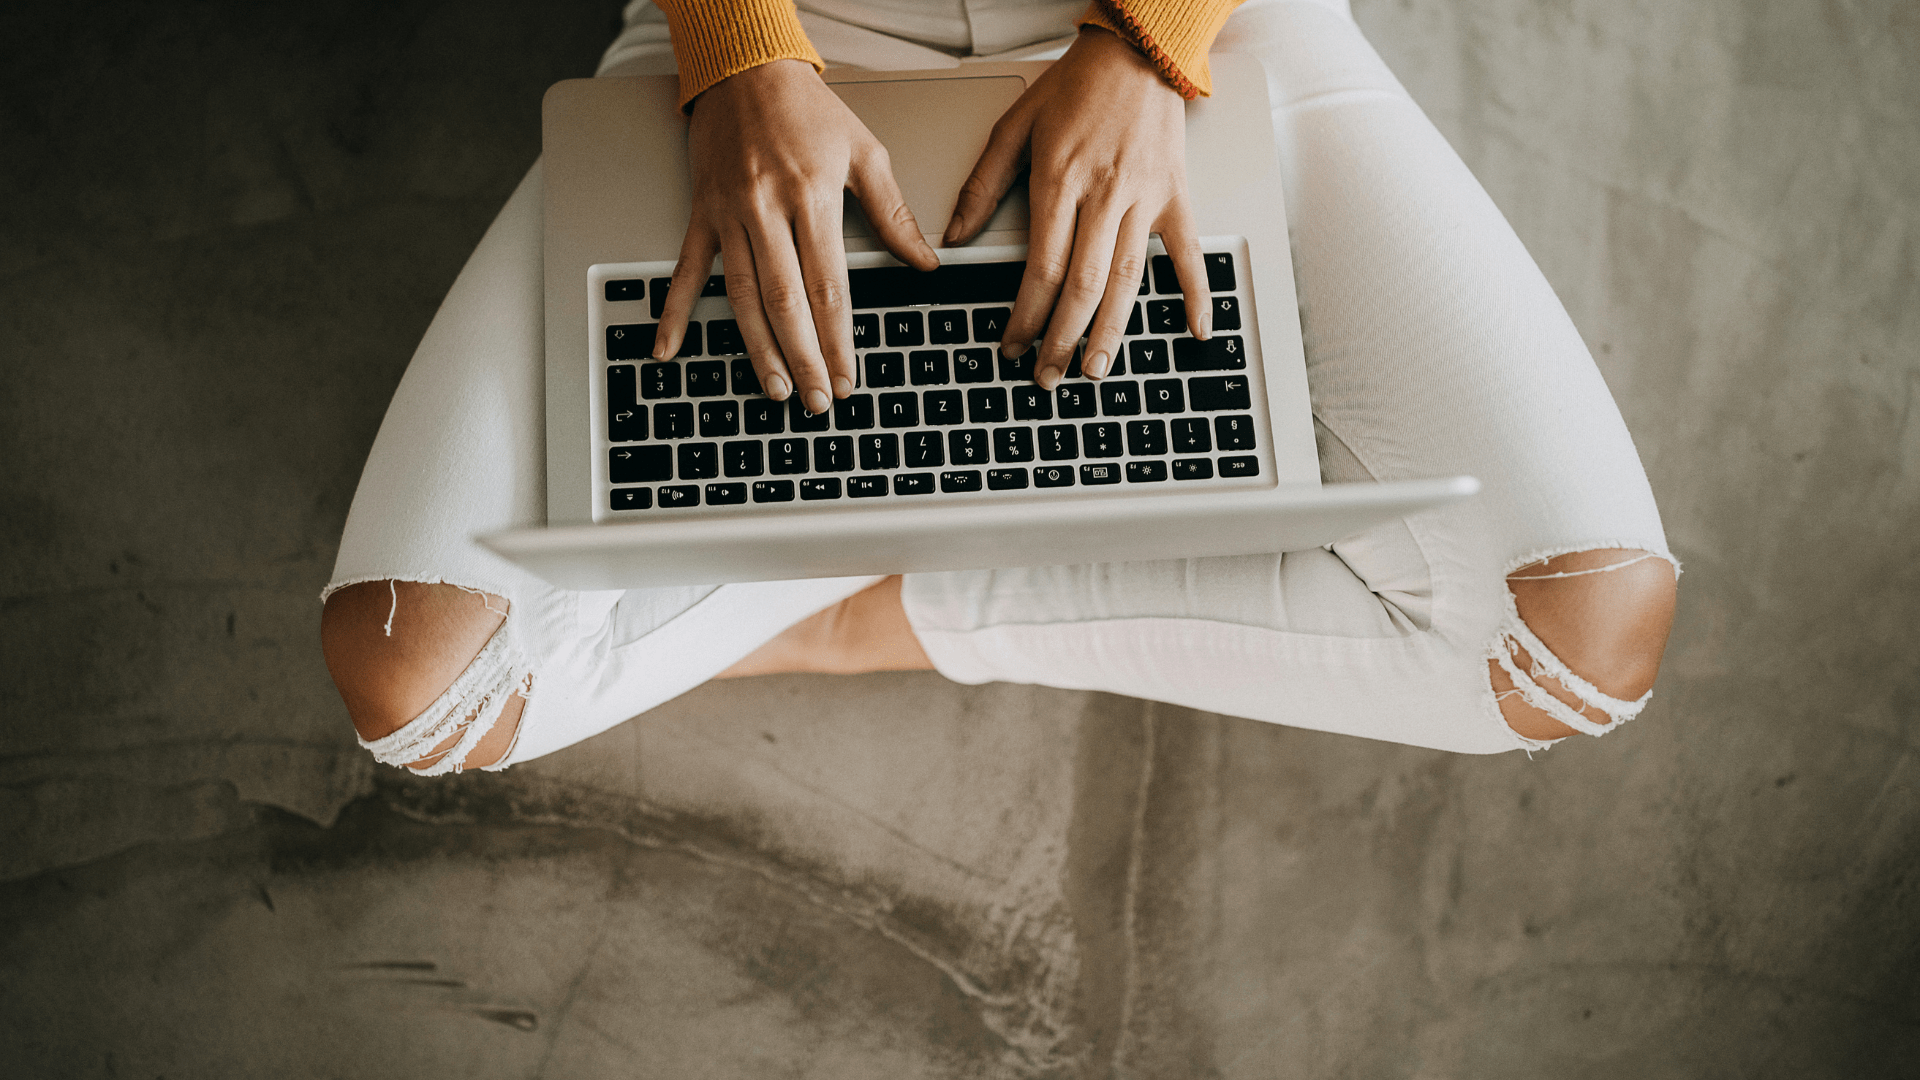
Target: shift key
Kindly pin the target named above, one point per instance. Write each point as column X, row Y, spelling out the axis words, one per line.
column 1218, row 392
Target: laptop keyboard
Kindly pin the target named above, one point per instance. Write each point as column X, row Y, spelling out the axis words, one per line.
column 938, row 415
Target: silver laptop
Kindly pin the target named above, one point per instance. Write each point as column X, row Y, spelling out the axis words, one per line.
column 947, row 456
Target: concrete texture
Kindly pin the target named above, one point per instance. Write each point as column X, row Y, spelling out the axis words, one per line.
column 222, row 228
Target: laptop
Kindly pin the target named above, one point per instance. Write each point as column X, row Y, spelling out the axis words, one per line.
column 946, row 456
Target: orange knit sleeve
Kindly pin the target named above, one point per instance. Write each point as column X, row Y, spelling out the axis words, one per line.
column 1174, row 34
column 713, row 39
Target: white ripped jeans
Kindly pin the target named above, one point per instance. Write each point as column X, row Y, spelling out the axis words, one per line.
column 1434, row 347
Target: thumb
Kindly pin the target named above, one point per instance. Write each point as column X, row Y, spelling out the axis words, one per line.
column 992, row 175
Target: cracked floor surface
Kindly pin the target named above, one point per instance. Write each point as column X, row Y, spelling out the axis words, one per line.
column 222, row 229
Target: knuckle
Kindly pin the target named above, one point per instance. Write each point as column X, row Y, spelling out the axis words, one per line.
column 826, row 294
column 782, row 298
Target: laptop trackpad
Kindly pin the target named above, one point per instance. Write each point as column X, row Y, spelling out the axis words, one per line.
column 934, row 129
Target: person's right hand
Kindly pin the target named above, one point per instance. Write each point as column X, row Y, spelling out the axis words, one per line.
column 771, row 150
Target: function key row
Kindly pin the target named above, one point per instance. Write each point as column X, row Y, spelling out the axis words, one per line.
column 817, row 488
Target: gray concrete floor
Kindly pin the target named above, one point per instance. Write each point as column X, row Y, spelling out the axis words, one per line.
column 224, row 225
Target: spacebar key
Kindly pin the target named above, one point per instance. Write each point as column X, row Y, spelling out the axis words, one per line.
column 955, row 283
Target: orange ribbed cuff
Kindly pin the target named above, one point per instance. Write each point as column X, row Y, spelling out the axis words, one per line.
column 1173, row 34
column 713, row 39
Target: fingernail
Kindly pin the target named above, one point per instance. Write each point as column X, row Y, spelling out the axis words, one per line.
column 1096, row 365
column 1010, row 350
column 842, row 386
column 1048, row 377
column 777, row 388
column 817, row 401
column 953, row 230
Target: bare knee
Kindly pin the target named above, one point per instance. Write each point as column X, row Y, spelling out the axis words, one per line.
column 1605, row 615
column 393, row 648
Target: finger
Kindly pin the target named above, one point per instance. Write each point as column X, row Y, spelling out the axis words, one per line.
column 1049, row 251
column 743, row 292
column 823, row 265
column 999, row 166
column 1123, row 285
column 783, row 297
column 1176, row 232
column 1086, row 284
column 689, row 278
column 871, row 181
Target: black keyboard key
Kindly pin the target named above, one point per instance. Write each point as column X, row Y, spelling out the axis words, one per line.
column 630, row 498
column 1143, row 286
column 912, row 483
column 618, row 289
column 1234, row 432
column 954, row 283
column 639, row 464
column 1120, row 398
column 799, row 419
column 660, row 380
column 1134, row 326
column 879, row 452
column 1146, row 472
column 1239, row 466
column 1102, row 440
column 679, row 495
column 1219, row 271
column 866, row 487
column 904, row 328
column 1073, row 365
column 1218, row 393
column 1167, row 316
column 853, row 413
column 1018, row 369
column 833, row 454
column 699, row 461
column 1164, row 279
column 1193, row 468
column 943, row 406
column 989, row 323
column 1059, row 442
column 746, row 382
column 886, row 369
column 973, row 365
column 928, row 367
column 866, row 332
column 967, row 446
column 772, row 491
column 631, row 341
column 723, row 339
column 715, row 286
column 1006, row 479
column 742, row 459
column 987, row 405
column 1118, row 365
column 1215, row 354
column 819, row 487
column 1190, row 436
column 947, row 327
column 1032, row 403
column 1166, row 396
column 900, row 410
column 1149, row 357
column 1012, row 444
column 1076, row 400
column 764, row 416
column 657, row 293
column 726, row 494
column 1226, row 313
column 925, row 450
column 786, row 457
column 719, row 419
column 690, row 345
column 1146, row 438
column 626, row 420
column 1048, row 476
column 968, row 480
column 1095, row 475
column 673, row 421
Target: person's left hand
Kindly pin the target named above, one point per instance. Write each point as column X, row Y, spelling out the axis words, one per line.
column 1105, row 141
